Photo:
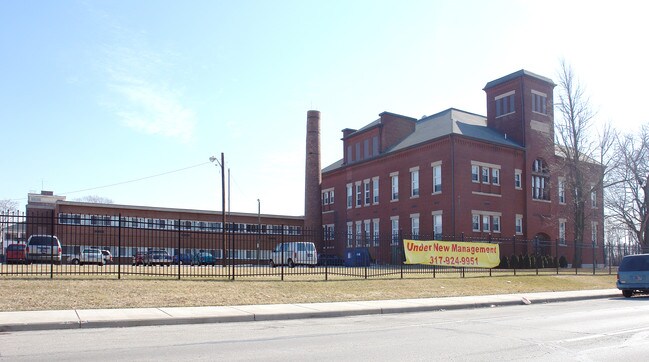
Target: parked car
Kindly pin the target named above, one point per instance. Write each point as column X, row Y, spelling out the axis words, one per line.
column 157, row 257
column 330, row 260
column 633, row 275
column 294, row 253
column 183, row 259
column 44, row 248
column 203, row 258
column 138, row 259
column 89, row 256
column 108, row 257
column 16, row 253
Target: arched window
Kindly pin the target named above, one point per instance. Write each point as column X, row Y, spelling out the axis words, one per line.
column 540, row 180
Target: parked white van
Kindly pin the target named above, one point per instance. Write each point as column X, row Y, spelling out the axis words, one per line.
column 294, row 253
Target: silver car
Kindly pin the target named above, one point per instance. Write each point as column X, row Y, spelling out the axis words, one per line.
column 44, row 248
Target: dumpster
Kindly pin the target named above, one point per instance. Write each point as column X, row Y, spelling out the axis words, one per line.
column 357, row 257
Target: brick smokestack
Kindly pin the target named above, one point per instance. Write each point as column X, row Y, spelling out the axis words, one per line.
column 313, row 176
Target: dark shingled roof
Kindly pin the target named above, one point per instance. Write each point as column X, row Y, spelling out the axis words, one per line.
column 517, row 74
column 450, row 121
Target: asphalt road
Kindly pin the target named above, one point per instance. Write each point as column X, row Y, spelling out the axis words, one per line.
column 589, row 330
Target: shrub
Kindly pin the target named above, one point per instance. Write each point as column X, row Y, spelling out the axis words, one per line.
column 540, row 262
column 504, row 263
column 525, row 262
column 563, row 262
column 513, row 262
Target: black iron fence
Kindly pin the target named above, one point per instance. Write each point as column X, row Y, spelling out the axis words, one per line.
column 117, row 246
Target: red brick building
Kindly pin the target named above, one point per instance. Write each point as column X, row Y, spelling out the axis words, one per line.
column 458, row 174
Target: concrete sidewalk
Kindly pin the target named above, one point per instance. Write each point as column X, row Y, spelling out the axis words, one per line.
column 103, row 318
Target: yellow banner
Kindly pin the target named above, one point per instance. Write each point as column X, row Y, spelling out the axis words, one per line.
column 452, row 253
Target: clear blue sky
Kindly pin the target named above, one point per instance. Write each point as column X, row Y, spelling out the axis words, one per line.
column 98, row 93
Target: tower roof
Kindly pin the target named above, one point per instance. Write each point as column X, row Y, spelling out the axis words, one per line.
column 515, row 75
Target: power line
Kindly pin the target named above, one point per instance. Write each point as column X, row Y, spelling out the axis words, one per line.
column 135, row 180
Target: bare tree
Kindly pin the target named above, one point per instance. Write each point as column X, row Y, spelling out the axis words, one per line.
column 95, row 199
column 8, row 207
column 628, row 196
column 572, row 131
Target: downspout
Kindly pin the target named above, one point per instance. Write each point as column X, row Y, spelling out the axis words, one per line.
column 452, row 140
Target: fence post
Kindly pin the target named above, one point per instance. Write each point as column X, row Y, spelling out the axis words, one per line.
column 232, row 250
column 119, row 246
column 52, row 245
column 514, row 247
column 500, row 258
column 556, row 254
column 401, row 252
column 179, row 237
column 594, row 257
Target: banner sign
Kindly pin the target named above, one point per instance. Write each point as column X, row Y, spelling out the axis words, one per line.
column 452, row 253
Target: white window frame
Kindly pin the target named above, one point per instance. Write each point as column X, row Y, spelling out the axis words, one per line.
column 437, row 177
column 475, row 173
column 562, row 231
column 593, row 196
column 486, row 223
column 496, row 223
column 367, row 237
column 484, row 172
column 375, row 190
column 394, row 230
column 359, row 194
column 359, row 233
column 562, row 190
column 375, row 232
column 350, row 234
column 366, row 192
column 414, row 182
column 593, row 231
column 495, row 176
column 518, row 226
column 350, row 196
column 518, row 179
column 394, row 186
column 414, row 226
column 437, row 224
column 475, row 222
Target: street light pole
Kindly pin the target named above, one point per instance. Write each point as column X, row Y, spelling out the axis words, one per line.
column 222, row 163
column 258, row 229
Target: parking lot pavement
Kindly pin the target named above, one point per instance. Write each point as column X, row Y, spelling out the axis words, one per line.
column 105, row 318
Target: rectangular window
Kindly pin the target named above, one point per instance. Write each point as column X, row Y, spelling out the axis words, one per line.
column 519, row 224
column 414, row 178
column 593, row 231
column 562, row 231
column 325, row 198
column 375, row 190
column 359, row 199
column 486, row 223
column 518, row 179
column 350, row 155
column 359, row 233
column 539, row 102
column 485, row 175
column 562, row 190
column 367, row 236
column 437, row 178
column 475, row 222
column 395, row 187
column 414, row 222
column 593, row 197
column 495, row 176
column 375, row 232
column 350, row 234
column 358, row 151
column 505, row 104
column 366, row 191
column 475, row 173
column 437, row 226
column 366, row 148
column 350, row 196
column 331, row 197
column 395, row 231
column 496, row 224
column 375, row 146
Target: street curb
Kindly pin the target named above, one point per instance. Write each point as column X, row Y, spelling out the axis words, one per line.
column 121, row 318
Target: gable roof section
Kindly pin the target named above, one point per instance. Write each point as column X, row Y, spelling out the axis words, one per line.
column 450, row 121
